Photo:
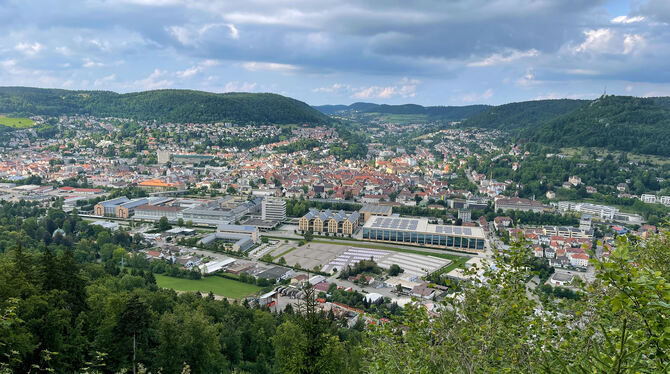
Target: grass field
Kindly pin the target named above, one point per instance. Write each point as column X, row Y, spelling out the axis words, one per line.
column 218, row 285
column 17, row 123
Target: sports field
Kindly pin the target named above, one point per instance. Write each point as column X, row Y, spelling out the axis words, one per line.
column 17, row 123
column 218, row 285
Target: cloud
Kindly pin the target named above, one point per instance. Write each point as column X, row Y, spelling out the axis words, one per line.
column 405, row 89
column 499, row 59
column 104, row 81
column 154, row 81
column 268, row 66
column 29, row 49
column 193, row 70
column 239, row 87
column 88, row 63
column 476, row 97
column 607, row 41
column 627, row 20
column 335, row 87
column 191, row 35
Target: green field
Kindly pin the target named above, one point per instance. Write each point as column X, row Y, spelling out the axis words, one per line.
column 17, row 123
column 218, row 285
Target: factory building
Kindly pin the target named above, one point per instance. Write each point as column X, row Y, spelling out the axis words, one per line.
column 418, row 231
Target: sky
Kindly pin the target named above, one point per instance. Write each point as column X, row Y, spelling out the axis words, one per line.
column 429, row 52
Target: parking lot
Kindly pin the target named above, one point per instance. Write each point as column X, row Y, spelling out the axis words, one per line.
column 332, row 256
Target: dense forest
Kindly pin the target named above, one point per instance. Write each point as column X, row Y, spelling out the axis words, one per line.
column 67, row 307
column 435, row 113
column 616, row 123
column 620, row 123
column 514, row 116
column 180, row 106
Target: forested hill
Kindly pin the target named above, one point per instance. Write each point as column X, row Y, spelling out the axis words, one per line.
column 445, row 113
column 161, row 105
column 515, row 116
column 624, row 123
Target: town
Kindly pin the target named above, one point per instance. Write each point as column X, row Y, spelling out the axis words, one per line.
column 400, row 223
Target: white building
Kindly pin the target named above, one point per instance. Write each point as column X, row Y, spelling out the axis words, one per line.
column 648, row 198
column 163, row 156
column 273, row 209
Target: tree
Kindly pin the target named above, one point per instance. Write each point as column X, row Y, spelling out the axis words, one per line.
column 163, row 224
column 309, row 235
column 395, row 269
column 131, row 329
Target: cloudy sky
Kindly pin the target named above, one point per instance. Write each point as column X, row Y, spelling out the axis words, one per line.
column 431, row 52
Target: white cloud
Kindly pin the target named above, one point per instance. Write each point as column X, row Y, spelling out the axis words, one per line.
column 191, row 35
column 632, row 43
column 474, row 97
column 596, row 41
column 406, row 88
column 104, row 80
column 336, row 87
column 268, row 66
column 28, row 48
column 193, row 70
column 239, row 87
column 234, row 33
column 627, row 20
column 629, row 88
column 499, row 59
column 611, row 42
column 154, row 81
column 88, row 63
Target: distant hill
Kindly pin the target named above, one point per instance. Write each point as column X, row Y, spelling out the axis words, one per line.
column 445, row 113
column 623, row 123
column 519, row 116
column 162, row 105
column 617, row 123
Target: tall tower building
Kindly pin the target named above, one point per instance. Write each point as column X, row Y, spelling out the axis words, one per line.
column 273, row 209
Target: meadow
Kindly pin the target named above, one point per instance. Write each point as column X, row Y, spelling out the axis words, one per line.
column 219, row 286
column 16, row 123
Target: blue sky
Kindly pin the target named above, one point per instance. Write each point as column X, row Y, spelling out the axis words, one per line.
column 431, row 52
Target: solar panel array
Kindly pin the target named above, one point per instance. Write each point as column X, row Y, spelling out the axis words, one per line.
column 395, row 223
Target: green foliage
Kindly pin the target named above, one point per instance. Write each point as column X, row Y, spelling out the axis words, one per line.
column 493, row 326
column 515, row 116
column 622, row 123
column 181, row 106
column 395, row 269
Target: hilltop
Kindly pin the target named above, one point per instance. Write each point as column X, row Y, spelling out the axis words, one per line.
column 161, row 105
column 430, row 113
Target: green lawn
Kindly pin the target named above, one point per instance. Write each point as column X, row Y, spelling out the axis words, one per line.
column 17, row 123
column 218, row 285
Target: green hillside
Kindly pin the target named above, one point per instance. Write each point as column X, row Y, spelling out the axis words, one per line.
column 515, row 116
column 621, row 123
column 428, row 113
column 161, row 105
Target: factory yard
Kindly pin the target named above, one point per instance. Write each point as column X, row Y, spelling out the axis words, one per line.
column 330, row 256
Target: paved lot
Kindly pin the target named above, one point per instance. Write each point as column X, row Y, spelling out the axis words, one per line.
column 313, row 254
column 413, row 264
